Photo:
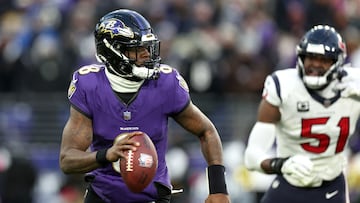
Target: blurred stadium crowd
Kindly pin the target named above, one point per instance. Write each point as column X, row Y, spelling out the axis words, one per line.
column 222, row 47
column 219, row 45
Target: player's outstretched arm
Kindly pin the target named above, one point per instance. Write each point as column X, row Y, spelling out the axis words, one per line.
column 193, row 120
column 262, row 138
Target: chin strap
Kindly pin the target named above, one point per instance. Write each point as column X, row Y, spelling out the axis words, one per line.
column 145, row 73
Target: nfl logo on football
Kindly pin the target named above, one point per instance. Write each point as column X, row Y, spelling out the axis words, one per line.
column 145, row 160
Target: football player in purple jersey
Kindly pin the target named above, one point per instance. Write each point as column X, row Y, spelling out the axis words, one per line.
column 310, row 112
column 130, row 92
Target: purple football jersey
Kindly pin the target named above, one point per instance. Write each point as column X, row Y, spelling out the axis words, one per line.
column 90, row 93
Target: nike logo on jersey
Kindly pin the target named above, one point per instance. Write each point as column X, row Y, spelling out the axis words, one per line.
column 329, row 195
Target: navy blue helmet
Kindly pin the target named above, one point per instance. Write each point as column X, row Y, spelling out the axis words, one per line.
column 321, row 40
column 120, row 31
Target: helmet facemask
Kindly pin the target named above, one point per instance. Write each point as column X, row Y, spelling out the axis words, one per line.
column 319, row 82
column 126, row 67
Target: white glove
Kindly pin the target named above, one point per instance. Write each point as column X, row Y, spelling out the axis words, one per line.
column 298, row 171
column 349, row 87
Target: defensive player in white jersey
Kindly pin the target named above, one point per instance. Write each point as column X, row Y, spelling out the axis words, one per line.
column 309, row 112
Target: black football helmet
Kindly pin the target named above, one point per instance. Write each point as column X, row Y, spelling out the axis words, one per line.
column 326, row 41
column 121, row 31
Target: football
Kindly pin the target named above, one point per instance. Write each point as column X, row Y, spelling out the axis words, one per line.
column 139, row 167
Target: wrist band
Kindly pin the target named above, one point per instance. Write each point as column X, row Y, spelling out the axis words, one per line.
column 101, row 157
column 276, row 164
column 216, row 178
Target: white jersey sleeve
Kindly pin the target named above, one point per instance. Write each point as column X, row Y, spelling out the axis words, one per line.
column 271, row 92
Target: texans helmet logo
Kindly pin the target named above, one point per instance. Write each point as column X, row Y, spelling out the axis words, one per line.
column 145, row 160
column 342, row 46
